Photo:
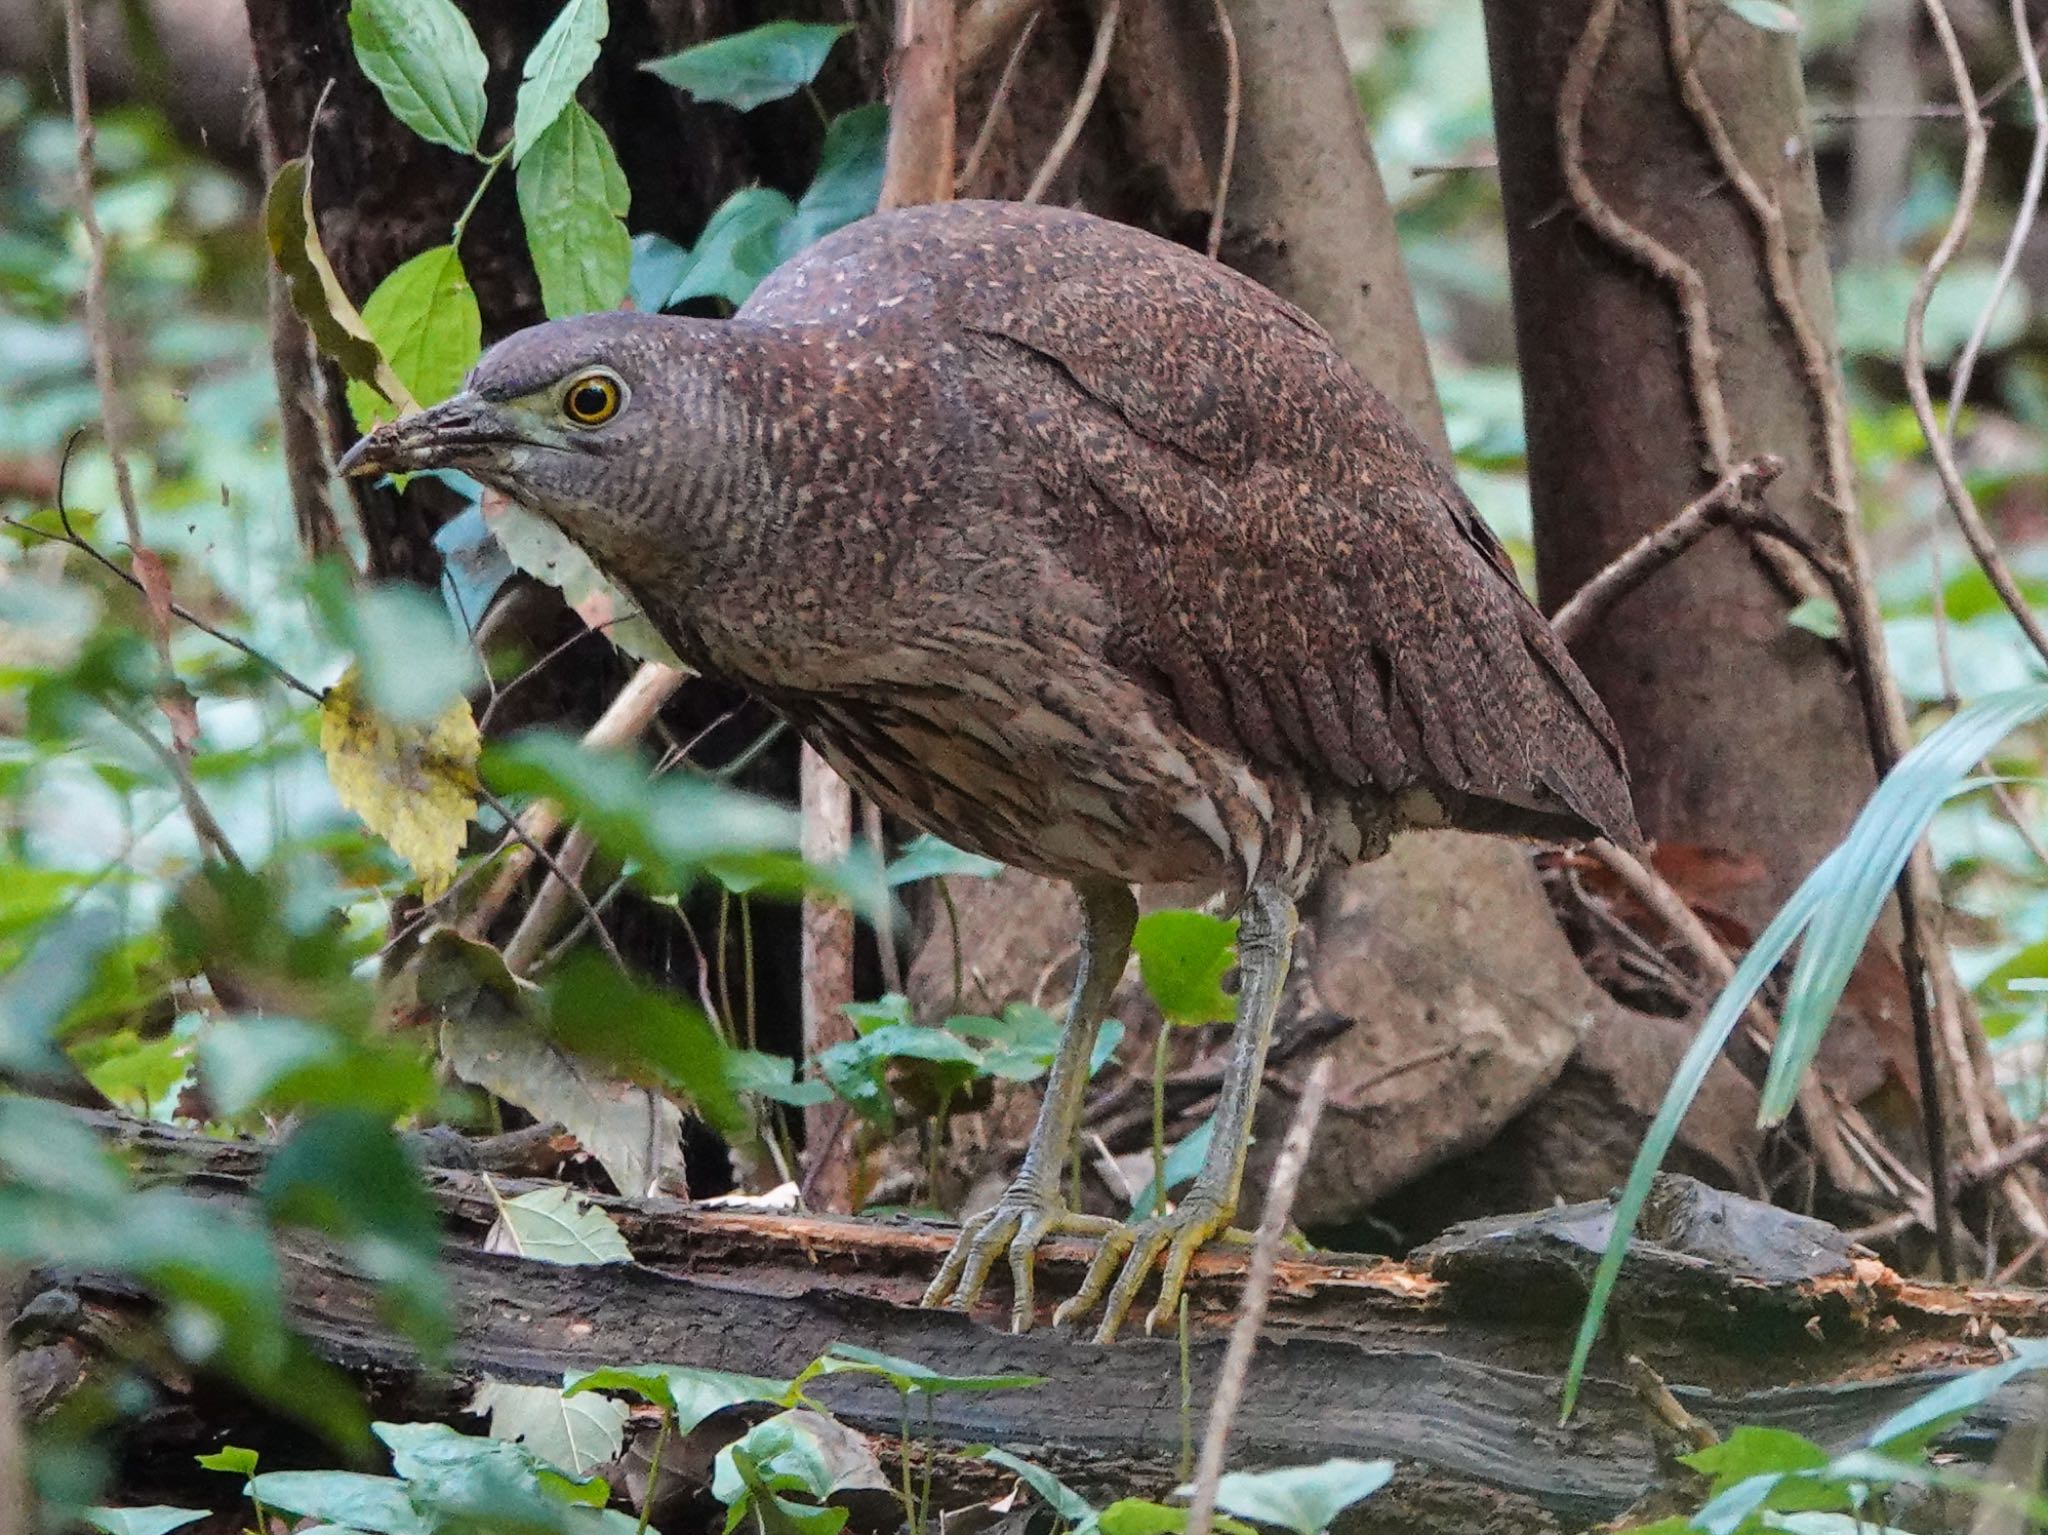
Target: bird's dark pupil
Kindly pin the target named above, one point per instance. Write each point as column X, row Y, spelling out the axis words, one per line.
column 591, row 399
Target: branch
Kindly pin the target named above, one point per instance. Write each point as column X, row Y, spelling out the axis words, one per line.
column 920, row 158
column 1084, row 103
column 1728, row 501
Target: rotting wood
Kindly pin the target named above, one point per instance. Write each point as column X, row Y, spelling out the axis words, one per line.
column 1449, row 1362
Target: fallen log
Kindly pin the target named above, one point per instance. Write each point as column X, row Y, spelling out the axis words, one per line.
column 1450, row 1362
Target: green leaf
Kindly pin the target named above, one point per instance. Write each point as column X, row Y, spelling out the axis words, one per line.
column 423, row 57
column 1840, row 899
column 377, row 1505
column 1182, row 958
column 773, row 1077
column 572, row 197
column 1817, row 615
column 605, row 1016
column 777, row 1515
column 424, row 319
column 555, row 1225
column 1751, row 1451
column 1141, row 1516
column 43, row 989
column 574, row 1434
column 668, row 825
column 231, row 1458
column 751, row 68
column 343, row 1173
column 470, row 1483
column 555, row 68
column 1056, row 1494
column 846, row 187
column 1304, row 1499
column 155, row 1520
column 1766, row 14
column 287, row 1063
column 690, row 1395
column 906, row 1374
column 414, row 663
column 740, row 245
column 928, row 857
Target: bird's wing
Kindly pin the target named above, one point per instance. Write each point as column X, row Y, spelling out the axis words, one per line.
column 1294, row 570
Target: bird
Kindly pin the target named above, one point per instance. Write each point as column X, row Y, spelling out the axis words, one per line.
column 1078, row 550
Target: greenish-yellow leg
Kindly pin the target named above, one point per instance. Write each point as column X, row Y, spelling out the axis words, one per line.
column 1032, row 1208
column 1265, row 946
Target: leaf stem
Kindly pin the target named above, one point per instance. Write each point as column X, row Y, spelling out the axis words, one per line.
column 1159, row 1115
column 653, row 1471
column 491, row 164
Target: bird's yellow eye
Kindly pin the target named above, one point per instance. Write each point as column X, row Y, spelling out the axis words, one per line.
column 591, row 399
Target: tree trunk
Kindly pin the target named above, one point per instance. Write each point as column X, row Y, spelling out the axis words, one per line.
column 1656, row 351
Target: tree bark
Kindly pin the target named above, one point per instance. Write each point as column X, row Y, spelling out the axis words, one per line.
column 1749, row 1314
column 1743, row 732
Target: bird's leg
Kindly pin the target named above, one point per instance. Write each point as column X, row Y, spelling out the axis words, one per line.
column 1032, row 1208
column 1265, row 946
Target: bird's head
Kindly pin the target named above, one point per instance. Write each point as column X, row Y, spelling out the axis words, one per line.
column 606, row 424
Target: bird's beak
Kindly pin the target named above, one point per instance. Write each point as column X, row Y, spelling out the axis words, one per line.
column 451, row 435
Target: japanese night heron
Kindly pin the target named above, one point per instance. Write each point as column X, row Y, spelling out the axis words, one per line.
column 1084, row 553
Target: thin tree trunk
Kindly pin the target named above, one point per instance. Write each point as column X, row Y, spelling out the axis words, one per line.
column 1657, row 349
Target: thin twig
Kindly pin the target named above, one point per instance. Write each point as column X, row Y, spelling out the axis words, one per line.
column 986, row 24
column 1084, row 103
column 549, row 862
column 1650, row 887
column 204, row 826
column 1233, row 107
column 998, row 103
column 178, row 610
column 1649, row 554
column 1940, row 446
column 1258, row 1289
column 530, row 939
column 1664, row 1407
column 622, row 721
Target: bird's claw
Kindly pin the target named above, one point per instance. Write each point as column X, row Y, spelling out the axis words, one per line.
column 1014, row 1225
column 1179, row 1235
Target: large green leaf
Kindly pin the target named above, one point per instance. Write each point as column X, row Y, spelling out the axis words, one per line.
column 740, row 245
column 424, row 319
column 575, row 1435
column 425, row 59
column 555, row 67
column 751, row 68
column 377, row 1505
column 288, row 1063
column 155, row 1520
column 573, row 197
column 1182, row 958
column 690, row 1395
column 1303, row 1499
column 603, row 1015
column 848, row 179
column 1837, row 894
column 557, row 1225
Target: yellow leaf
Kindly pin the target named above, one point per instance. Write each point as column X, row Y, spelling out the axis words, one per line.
column 413, row 785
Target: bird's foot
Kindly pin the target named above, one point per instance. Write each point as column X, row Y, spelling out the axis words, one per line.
column 1179, row 1236
column 1015, row 1224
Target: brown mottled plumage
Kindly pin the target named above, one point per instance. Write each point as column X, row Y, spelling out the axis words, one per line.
column 1077, row 549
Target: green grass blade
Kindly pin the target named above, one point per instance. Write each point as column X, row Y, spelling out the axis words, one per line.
column 1871, row 857
column 1749, row 977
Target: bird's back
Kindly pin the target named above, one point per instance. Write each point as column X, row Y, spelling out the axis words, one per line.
column 1295, row 578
